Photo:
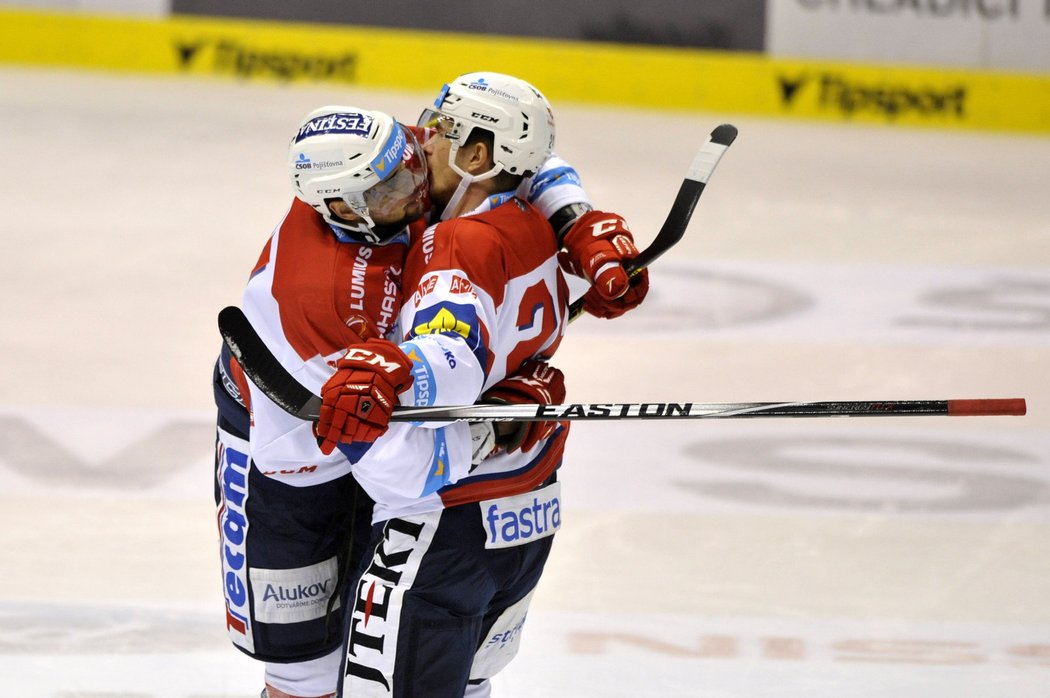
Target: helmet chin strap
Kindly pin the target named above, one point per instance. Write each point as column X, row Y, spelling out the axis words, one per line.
column 374, row 234
column 466, row 179
column 453, row 203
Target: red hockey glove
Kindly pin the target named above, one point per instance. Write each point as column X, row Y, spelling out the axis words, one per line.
column 596, row 248
column 358, row 400
column 535, row 382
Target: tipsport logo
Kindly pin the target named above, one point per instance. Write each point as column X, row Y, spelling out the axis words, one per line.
column 422, row 375
column 232, row 57
column 392, row 154
column 847, row 97
column 441, row 96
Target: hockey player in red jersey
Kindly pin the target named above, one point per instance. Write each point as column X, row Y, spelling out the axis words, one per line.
column 460, row 537
column 331, row 277
column 327, row 278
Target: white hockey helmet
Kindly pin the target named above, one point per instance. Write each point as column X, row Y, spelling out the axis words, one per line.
column 365, row 158
column 516, row 113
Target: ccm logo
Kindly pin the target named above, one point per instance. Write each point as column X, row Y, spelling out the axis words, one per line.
column 372, row 358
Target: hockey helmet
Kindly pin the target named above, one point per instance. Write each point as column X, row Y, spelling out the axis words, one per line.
column 515, row 112
column 365, row 158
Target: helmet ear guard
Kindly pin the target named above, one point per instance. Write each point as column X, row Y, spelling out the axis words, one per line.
column 360, row 157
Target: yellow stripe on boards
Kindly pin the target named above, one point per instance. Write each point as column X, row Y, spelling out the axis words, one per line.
column 567, row 71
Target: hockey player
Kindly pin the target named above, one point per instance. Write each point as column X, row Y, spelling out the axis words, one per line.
column 329, row 278
column 325, row 280
column 460, row 540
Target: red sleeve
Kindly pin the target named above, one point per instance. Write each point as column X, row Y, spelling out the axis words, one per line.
column 475, row 248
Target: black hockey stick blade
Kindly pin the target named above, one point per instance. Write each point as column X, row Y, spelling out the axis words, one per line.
column 703, row 165
column 263, row 368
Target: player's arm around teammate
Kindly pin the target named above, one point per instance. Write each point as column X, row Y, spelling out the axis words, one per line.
column 349, row 223
column 439, row 607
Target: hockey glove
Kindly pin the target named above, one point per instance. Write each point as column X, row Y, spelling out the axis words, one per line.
column 358, row 400
column 596, row 248
column 535, row 382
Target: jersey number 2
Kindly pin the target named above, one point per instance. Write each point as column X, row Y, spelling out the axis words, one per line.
column 537, row 322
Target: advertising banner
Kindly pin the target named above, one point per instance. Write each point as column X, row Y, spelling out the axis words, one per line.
column 724, row 82
column 715, row 24
column 1004, row 35
column 138, row 8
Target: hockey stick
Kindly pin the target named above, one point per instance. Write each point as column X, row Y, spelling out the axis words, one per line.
column 279, row 385
column 712, row 410
column 259, row 363
column 704, row 163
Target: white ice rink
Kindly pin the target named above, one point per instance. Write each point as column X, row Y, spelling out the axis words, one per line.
column 846, row 558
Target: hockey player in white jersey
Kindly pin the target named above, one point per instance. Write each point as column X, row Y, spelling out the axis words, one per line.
column 283, row 502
